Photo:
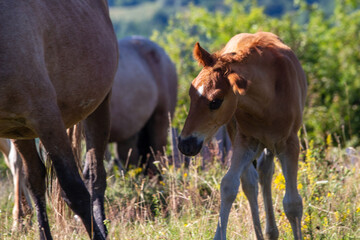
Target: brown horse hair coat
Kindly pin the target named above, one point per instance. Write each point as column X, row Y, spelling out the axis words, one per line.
column 57, row 64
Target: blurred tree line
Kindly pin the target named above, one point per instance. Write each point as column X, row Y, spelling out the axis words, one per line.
column 327, row 45
column 141, row 17
column 271, row 7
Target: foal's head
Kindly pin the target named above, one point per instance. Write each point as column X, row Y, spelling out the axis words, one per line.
column 213, row 99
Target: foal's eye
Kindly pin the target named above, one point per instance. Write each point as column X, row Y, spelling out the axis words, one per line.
column 215, row 104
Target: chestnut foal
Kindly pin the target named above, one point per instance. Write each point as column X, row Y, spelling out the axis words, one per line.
column 257, row 87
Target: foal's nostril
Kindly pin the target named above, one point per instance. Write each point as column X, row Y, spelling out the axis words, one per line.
column 190, row 146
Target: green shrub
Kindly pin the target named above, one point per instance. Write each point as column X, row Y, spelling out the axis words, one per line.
column 327, row 47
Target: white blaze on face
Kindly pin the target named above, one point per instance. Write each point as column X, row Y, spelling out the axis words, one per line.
column 200, row 90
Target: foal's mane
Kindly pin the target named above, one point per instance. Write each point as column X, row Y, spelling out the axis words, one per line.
column 244, row 49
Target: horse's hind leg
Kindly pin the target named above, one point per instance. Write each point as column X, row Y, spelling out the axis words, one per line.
column 97, row 129
column 292, row 201
column 51, row 130
column 156, row 133
column 123, row 150
column 35, row 176
column 249, row 181
column 266, row 170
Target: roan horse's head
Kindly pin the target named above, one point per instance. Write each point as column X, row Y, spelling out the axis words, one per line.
column 213, row 99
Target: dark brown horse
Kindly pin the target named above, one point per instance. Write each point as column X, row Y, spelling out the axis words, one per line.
column 57, row 63
column 256, row 86
column 144, row 94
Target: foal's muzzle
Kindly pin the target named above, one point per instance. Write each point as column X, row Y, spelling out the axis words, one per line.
column 190, row 146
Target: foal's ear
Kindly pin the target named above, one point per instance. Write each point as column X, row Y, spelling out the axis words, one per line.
column 202, row 56
column 238, row 83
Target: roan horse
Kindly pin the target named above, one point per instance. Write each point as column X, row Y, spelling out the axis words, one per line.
column 256, row 86
column 144, row 93
column 57, row 64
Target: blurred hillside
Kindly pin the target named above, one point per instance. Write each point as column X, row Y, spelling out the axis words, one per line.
column 141, row 17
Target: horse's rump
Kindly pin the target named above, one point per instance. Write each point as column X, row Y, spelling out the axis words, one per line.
column 59, row 51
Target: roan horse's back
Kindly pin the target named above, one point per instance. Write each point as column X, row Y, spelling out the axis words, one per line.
column 63, row 50
column 143, row 94
column 146, row 80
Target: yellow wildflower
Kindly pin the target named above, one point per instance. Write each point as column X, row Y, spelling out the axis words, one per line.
column 326, row 222
column 279, row 181
column 337, row 216
column 240, row 195
column 346, row 214
column 329, row 140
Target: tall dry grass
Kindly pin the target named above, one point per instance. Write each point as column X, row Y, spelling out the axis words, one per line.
column 185, row 204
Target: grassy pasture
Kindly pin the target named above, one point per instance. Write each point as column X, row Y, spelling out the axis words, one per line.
column 185, row 204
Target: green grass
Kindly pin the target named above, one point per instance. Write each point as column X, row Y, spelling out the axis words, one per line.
column 185, row 204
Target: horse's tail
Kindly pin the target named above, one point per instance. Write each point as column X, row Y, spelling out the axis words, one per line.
column 54, row 190
column 75, row 134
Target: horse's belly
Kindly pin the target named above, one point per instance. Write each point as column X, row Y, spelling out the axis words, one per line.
column 17, row 114
column 57, row 59
column 82, row 110
column 131, row 107
column 15, row 129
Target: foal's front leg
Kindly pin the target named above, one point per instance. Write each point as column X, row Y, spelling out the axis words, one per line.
column 245, row 151
column 249, row 181
column 97, row 129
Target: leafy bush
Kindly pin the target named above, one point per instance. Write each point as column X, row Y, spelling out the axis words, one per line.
column 327, row 47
